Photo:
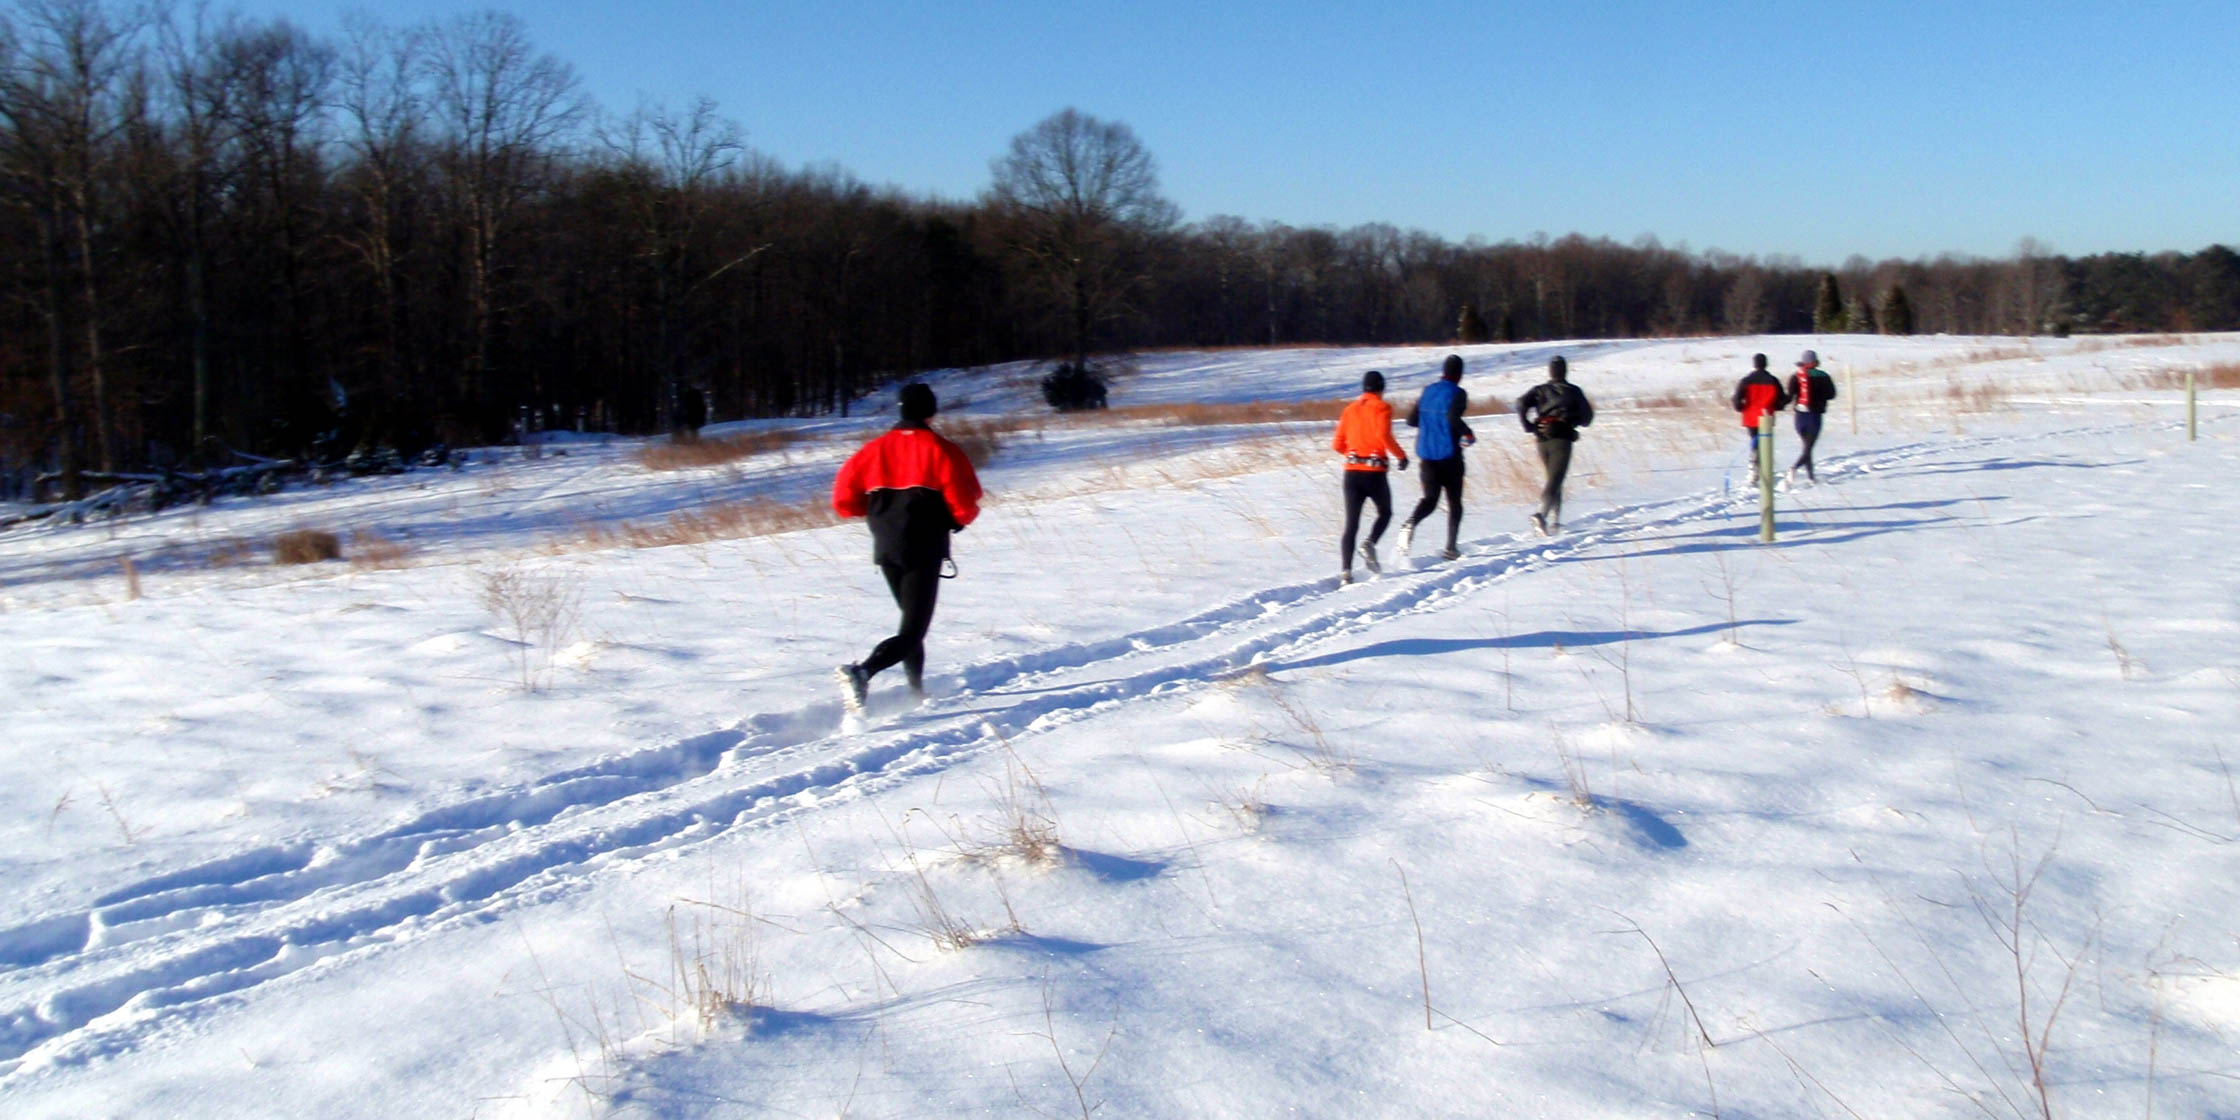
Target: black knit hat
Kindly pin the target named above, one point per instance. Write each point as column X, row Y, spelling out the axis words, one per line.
column 1452, row 369
column 1558, row 369
column 1757, row 361
column 917, row 401
column 1372, row 382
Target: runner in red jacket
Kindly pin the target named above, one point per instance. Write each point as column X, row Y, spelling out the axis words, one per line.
column 1755, row 395
column 916, row 488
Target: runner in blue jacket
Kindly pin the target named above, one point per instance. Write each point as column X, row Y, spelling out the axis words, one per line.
column 1440, row 437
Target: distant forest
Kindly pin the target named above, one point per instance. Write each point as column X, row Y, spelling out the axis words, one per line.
column 226, row 238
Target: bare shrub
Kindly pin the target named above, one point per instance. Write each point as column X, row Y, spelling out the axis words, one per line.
column 370, row 551
column 306, row 546
column 537, row 611
column 686, row 452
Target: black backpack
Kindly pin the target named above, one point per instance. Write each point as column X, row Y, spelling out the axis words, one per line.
column 1554, row 406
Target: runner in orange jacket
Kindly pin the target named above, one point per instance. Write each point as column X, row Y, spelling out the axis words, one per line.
column 1364, row 437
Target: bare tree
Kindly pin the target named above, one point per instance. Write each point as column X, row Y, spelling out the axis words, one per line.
column 182, row 140
column 384, row 116
column 280, row 79
column 1080, row 188
column 504, row 109
column 672, row 162
column 64, row 105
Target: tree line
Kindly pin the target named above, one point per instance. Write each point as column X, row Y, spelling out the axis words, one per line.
column 229, row 238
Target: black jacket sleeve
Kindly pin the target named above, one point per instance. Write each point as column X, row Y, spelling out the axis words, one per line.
column 1741, row 394
column 1455, row 425
column 1582, row 411
column 1527, row 405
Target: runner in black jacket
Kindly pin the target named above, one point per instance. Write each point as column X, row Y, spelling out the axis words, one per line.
column 1553, row 412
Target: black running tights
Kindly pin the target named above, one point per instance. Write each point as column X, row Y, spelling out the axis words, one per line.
column 1441, row 476
column 915, row 590
column 1555, row 454
column 1364, row 486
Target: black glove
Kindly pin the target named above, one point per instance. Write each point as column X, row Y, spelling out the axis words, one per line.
column 1403, row 462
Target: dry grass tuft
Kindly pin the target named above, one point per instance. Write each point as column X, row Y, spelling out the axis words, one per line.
column 306, row 546
column 686, row 452
column 370, row 551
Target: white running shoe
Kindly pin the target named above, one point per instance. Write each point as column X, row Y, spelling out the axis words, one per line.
column 1369, row 558
column 1407, row 537
column 1540, row 524
column 856, row 684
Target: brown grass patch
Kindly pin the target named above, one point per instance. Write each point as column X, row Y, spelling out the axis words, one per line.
column 981, row 439
column 686, row 452
column 1983, row 396
column 1669, row 399
column 370, row 551
column 722, row 521
column 1206, row 414
column 2212, row 377
column 306, row 546
column 231, row 553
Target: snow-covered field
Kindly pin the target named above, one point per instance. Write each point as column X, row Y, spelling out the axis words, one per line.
column 1926, row 809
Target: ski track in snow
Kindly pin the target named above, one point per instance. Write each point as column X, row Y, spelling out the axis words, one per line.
column 97, row 982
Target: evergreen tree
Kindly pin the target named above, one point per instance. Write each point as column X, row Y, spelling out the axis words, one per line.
column 1897, row 311
column 1827, row 311
column 1858, row 317
column 1472, row 327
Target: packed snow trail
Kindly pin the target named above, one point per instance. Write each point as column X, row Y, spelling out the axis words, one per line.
column 94, row 983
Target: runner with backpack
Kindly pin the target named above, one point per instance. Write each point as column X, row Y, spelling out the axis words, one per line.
column 1553, row 412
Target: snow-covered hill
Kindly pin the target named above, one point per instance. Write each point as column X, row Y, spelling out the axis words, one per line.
column 1923, row 810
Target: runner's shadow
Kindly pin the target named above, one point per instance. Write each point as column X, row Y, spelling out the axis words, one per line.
column 1538, row 639
column 1739, row 537
column 1973, row 465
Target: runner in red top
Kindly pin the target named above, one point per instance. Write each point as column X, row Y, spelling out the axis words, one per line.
column 916, row 488
column 1755, row 395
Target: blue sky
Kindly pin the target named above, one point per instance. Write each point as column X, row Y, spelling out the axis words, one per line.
column 1802, row 129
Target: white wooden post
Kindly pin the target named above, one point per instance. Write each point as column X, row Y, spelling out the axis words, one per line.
column 1765, row 477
